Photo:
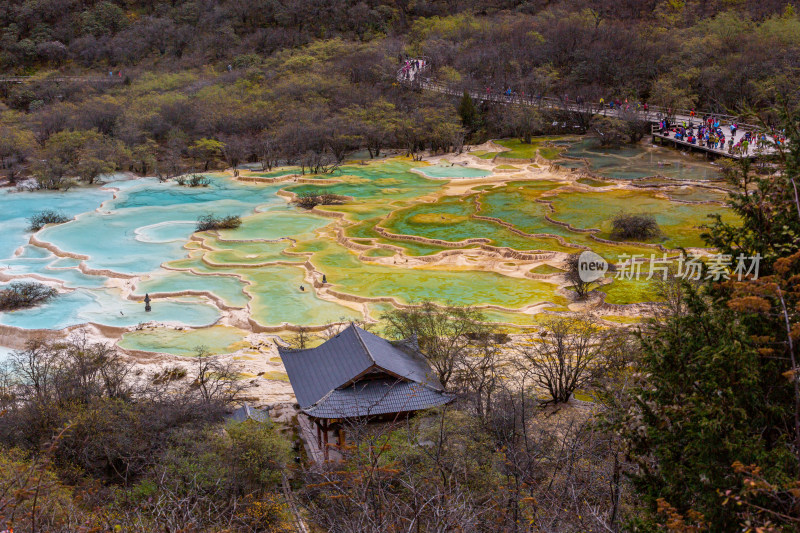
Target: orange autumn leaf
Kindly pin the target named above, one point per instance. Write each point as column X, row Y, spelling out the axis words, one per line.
column 749, row 304
column 784, row 264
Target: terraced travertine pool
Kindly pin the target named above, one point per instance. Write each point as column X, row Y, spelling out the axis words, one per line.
column 461, row 229
column 636, row 162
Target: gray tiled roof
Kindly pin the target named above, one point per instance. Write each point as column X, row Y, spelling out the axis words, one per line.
column 315, row 373
column 404, row 363
column 377, row 397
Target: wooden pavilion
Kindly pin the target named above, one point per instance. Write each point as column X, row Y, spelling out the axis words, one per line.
column 359, row 376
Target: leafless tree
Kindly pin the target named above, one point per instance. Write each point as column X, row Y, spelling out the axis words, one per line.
column 445, row 333
column 564, row 355
column 480, row 374
column 216, row 382
column 574, row 277
column 301, row 339
column 267, row 150
column 238, row 148
column 76, row 369
column 172, row 163
column 334, row 328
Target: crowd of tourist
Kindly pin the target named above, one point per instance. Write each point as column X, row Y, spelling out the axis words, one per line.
column 623, row 105
column 411, row 67
column 710, row 133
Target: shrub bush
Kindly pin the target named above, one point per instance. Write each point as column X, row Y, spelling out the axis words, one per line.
column 42, row 218
column 210, row 222
column 173, row 373
column 311, row 200
column 20, row 295
column 634, row 226
column 195, row 180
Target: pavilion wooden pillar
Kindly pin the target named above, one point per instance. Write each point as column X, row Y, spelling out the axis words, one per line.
column 325, row 436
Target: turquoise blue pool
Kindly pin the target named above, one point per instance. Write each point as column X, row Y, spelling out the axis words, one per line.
column 16, row 207
column 452, row 171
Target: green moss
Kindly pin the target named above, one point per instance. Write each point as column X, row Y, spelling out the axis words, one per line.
column 549, row 152
column 546, row 269
column 625, row 291
column 379, row 252
column 517, row 149
column 593, row 182
column 584, row 397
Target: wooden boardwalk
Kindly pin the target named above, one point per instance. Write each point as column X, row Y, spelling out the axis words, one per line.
column 666, row 140
column 416, row 78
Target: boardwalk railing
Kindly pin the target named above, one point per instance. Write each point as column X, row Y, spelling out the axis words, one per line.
column 416, row 78
column 652, row 114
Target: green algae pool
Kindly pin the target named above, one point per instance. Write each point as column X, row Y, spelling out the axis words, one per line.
column 449, row 220
column 409, row 285
column 630, row 291
column 681, row 224
column 213, row 341
column 276, row 298
column 518, row 149
column 389, row 180
column 275, row 224
column 228, row 288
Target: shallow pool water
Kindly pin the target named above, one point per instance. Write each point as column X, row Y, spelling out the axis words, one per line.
column 449, row 220
column 375, row 183
column 228, row 288
column 149, row 221
column 518, row 149
column 17, row 207
column 276, row 223
column 146, row 224
column 637, row 162
column 460, row 287
column 276, row 298
column 681, row 224
column 211, row 341
column 448, row 170
column 107, row 307
column 145, row 235
column 165, row 232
